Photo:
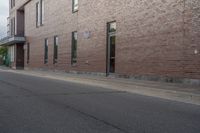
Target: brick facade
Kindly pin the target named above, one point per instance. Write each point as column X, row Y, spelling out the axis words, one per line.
column 154, row 37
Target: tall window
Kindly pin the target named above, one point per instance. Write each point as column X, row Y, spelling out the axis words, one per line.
column 12, row 3
column 55, row 59
column 12, row 53
column 74, row 5
column 28, row 53
column 40, row 13
column 37, row 14
column 74, row 47
column 111, row 47
column 46, row 51
column 12, row 21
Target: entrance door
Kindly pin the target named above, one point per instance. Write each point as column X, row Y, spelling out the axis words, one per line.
column 111, row 47
column 19, row 56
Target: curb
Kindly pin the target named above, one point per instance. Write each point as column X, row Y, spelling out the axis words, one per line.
column 180, row 96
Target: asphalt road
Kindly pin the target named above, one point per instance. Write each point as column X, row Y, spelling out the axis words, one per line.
column 31, row 104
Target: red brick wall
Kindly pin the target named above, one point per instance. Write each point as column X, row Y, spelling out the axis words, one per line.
column 191, row 43
column 154, row 37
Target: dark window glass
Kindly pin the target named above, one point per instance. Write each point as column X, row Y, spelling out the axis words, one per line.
column 12, row 3
column 112, row 46
column 28, row 53
column 46, row 51
column 37, row 14
column 112, row 53
column 55, row 50
column 41, row 12
column 74, row 48
column 14, row 26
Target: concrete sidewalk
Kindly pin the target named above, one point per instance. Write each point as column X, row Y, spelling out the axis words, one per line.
column 171, row 91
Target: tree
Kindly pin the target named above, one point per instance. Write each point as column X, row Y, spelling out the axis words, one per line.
column 3, row 55
column 3, row 51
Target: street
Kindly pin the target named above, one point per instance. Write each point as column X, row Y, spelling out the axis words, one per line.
column 30, row 104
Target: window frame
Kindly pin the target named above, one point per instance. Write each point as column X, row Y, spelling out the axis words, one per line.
column 28, row 53
column 75, row 6
column 55, row 52
column 12, row 4
column 40, row 13
column 111, row 32
column 110, row 25
column 37, row 14
column 12, row 26
column 46, row 50
column 12, row 53
column 74, row 47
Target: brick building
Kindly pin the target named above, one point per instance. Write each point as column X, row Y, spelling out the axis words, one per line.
column 157, row 39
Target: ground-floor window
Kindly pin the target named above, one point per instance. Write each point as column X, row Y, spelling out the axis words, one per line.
column 28, row 53
column 74, row 48
column 12, row 53
column 55, row 59
column 46, row 51
column 111, row 47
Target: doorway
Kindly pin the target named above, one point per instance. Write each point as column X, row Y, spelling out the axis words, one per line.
column 20, row 56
